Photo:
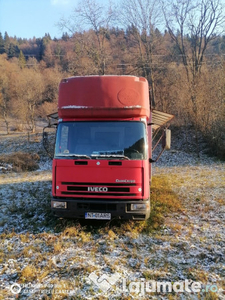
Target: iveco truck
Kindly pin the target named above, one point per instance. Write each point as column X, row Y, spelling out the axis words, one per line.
column 103, row 149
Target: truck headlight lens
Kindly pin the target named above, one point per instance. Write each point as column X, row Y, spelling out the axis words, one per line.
column 57, row 204
column 139, row 206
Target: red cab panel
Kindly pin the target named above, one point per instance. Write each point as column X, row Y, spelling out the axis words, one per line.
column 103, row 96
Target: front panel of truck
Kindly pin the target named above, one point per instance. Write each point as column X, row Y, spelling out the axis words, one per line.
column 100, row 170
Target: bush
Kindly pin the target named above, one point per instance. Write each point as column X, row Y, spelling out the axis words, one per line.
column 20, row 161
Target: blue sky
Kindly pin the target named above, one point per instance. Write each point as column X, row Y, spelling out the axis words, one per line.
column 29, row 18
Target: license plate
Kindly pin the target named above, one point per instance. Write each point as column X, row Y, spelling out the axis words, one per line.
column 98, row 216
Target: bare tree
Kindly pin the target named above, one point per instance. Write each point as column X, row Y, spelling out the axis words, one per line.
column 4, row 100
column 28, row 95
column 142, row 16
column 90, row 14
column 192, row 25
column 4, row 110
column 6, row 70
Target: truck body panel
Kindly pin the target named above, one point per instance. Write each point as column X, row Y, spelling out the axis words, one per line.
column 103, row 96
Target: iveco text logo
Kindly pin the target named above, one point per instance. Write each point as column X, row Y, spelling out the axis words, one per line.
column 97, row 189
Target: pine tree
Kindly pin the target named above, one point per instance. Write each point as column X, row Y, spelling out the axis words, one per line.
column 6, row 37
column 2, row 49
column 6, row 42
column 22, row 60
column 65, row 36
column 13, row 50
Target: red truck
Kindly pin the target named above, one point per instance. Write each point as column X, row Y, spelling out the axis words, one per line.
column 103, row 149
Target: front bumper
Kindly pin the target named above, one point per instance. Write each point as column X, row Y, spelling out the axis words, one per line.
column 76, row 208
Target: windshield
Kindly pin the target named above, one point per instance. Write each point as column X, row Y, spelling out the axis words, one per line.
column 106, row 139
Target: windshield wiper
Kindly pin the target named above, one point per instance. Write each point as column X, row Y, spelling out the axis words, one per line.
column 115, row 156
column 76, row 156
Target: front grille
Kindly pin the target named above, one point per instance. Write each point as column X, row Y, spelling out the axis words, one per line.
column 89, row 189
column 110, row 189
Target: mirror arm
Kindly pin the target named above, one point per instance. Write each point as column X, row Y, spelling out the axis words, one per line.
column 155, row 160
column 166, row 141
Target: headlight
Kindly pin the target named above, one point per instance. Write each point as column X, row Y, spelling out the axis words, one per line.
column 57, row 204
column 139, row 206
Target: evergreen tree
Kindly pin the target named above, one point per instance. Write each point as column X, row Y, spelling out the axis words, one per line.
column 47, row 37
column 65, row 36
column 2, row 48
column 42, row 44
column 22, row 60
column 20, row 41
column 6, row 37
column 6, row 42
column 39, row 43
column 13, row 50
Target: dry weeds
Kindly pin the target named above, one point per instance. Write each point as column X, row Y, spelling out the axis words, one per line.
column 19, row 161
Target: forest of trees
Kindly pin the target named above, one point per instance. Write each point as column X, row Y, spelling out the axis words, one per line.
column 184, row 62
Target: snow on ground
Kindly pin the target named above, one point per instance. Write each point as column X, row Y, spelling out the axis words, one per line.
column 44, row 258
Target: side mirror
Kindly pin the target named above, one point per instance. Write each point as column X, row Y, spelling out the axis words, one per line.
column 48, row 140
column 166, row 140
